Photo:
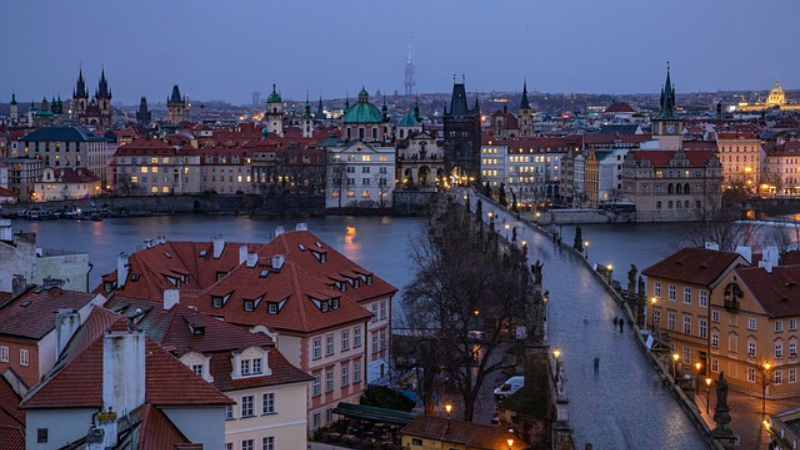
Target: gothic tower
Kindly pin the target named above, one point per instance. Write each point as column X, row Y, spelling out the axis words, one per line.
column 143, row 116
column 667, row 126
column 275, row 113
column 80, row 97
column 103, row 96
column 320, row 111
column 177, row 109
column 525, row 114
column 462, row 135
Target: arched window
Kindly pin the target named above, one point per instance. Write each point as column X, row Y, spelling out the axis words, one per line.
column 658, row 204
column 686, row 189
column 361, row 133
column 669, row 205
column 670, row 189
column 375, row 133
column 678, row 203
column 686, row 204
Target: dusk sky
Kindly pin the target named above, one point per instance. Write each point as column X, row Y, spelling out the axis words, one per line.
column 227, row 49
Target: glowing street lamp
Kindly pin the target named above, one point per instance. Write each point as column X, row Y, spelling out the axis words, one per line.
column 708, row 393
column 557, row 353
column 586, row 249
column 675, row 358
column 448, row 407
column 653, row 302
column 510, row 442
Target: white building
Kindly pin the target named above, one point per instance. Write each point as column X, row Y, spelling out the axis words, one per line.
column 66, row 184
column 360, row 175
column 68, row 147
column 610, row 174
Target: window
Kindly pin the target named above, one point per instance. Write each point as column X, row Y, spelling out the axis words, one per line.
column 657, row 318
column 244, row 367
column 779, row 377
column 703, row 328
column 345, row 376
column 41, row 435
column 315, row 420
column 657, row 289
column 714, row 365
column 316, row 386
column 257, row 366
column 703, row 298
column 3, row 353
column 793, row 324
column 687, row 295
column 268, row 443
column 751, row 324
column 23, row 357
column 229, row 446
column 715, row 316
column 733, row 343
column 197, row 369
column 249, row 305
column 374, row 336
column 329, row 381
column 779, row 350
column 329, row 345
column 715, row 340
column 247, row 406
column 751, row 374
column 792, row 349
column 778, row 326
column 357, row 338
column 383, row 339
column 317, row 348
column 345, row 340
column 328, row 415
column 792, row 375
column 687, row 354
column 229, row 412
column 268, row 403
column 247, row 444
column 383, row 310
column 751, row 349
column 356, row 371
column 672, row 292
column 687, row 325
column 374, row 309
column 671, row 321
column 416, row 441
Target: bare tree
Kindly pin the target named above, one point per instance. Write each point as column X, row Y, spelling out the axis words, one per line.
column 466, row 298
column 719, row 223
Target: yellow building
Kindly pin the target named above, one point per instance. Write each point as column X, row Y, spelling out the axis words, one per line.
column 438, row 433
column 742, row 159
column 775, row 99
column 591, row 180
column 679, row 288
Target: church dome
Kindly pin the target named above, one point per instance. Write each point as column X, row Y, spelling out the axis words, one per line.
column 776, row 96
column 274, row 97
column 363, row 111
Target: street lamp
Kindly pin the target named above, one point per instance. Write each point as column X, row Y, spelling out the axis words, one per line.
column 764, row 383
column 708, row 393
column 653, row 302
column 557, row 353
column 477, row 313
column 586, row 249
column 697, row 366
column 510, row 442
column 448, row 407
column 675, row 358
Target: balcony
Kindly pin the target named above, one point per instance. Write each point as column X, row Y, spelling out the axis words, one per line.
column 731, row 305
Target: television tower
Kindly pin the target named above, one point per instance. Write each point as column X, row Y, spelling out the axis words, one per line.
column 409, row 83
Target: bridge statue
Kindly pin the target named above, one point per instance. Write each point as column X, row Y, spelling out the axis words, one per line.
column 561, row 381
column 722, row 414
column 578, row 244
column 536, row 268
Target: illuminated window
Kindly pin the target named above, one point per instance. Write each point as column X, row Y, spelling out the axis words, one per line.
column 365, row 194
column 165, row 190
column 351, row 194
column 134, row 179
column 154, row 160
column 366, row 158
column 145, row 170
column 154, row 190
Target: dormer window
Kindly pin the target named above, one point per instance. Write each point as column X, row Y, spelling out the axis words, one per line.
column 220, row 275
column 323, row 257
column 272, row 308
column 203, row 253
column 135, row 277
column 356, row 283
column 257, row 366
column 323, row 306
column 244, row 367
column 216, row 302
column 335, row 303
column 264, row 273
column 249, row 305
column 167, row 255
column 301, row 247
column 368, row 279
column 107, row 286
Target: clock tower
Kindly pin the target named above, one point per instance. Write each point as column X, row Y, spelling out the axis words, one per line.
column 667, row 126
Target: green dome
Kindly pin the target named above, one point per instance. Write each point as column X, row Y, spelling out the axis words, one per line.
column 408, row 120
column 274, row 97
column 363, row 111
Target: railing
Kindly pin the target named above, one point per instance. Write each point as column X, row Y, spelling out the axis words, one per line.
column 731, row 305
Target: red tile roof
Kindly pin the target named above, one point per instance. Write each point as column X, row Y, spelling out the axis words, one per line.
column 170, row 328
column 12, row 438
column 777, row 292
column 468, row 434
column 301, row 280
column 788, row 148
column 11, row 415
column 73, row 176
column 156, row 431
column 661, row 158
column 32, row 314
column 77, row 379
column 736, row 135
column 620, row 107
column 693, row 265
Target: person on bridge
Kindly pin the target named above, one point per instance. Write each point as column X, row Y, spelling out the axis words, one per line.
column 596, row 365
column 621, row 325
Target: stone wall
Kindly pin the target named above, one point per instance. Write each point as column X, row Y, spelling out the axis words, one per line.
column 578, row 216
column 411, row 203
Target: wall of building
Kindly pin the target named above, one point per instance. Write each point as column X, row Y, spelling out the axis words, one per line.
column 63, row 425
column 29, row 373
column 200, row 425
column 287, row 424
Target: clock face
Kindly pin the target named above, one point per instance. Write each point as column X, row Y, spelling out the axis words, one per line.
column 670, row 129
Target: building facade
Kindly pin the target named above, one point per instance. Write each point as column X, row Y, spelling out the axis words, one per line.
column 462, row 136
column 360, row 175
column 742, row 159
column 151, row 166
column 782, row 170
column 66, row 184
column 69, row 147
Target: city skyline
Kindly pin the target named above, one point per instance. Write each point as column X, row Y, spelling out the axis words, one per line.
column 225, row 52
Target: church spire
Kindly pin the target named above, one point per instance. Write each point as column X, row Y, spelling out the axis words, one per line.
column 524, row 103
column 668, row 110
column 320, row 110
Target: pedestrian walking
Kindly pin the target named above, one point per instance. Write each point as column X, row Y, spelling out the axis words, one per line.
column 621, row 325
column 615, row 321
column 585, row 321
column 596, row 366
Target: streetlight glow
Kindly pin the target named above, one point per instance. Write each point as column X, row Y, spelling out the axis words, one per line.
column 448, row 407
column 510, row 442
column 697, row 366
column 653, row 300
column 708, row 382
column 557, row 353
column 676, row 357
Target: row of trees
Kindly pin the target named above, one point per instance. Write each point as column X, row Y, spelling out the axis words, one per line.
column 468, row 295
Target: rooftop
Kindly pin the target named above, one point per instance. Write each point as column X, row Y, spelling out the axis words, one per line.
column 694, row 265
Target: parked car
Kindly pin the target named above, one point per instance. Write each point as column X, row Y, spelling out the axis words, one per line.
column 509, row 387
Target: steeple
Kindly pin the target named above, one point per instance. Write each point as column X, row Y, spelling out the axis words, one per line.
column 103, row 92
column 143, row 116
column 668, row 111
column 80, row 86
column 13, row 98
column 385, row 110
column 477, row 108
column 346, row 102
column 308, row 119
column 176, row 95
column 524, row 103
column 307, row 109
column 274, row 97
column 320, row 110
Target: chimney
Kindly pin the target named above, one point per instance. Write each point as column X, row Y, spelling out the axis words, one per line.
column 277, row 262
column 123, row 370
column 67, row 323
column 172, row 297
column 769, row 258
column 95, row 439
column 219, row 245
column 302, row 226
column 18, row 285
column 122, row 269
column 252, row 260
column 279, row 231
column 712, row 246
column 746, row 252
column 242, row 254
column 148, row 243
column 107, row 423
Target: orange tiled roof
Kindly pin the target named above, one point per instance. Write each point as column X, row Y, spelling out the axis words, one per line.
column 693, row 265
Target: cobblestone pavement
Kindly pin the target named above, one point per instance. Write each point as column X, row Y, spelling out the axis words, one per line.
column 747, row 421
column 624, row 406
